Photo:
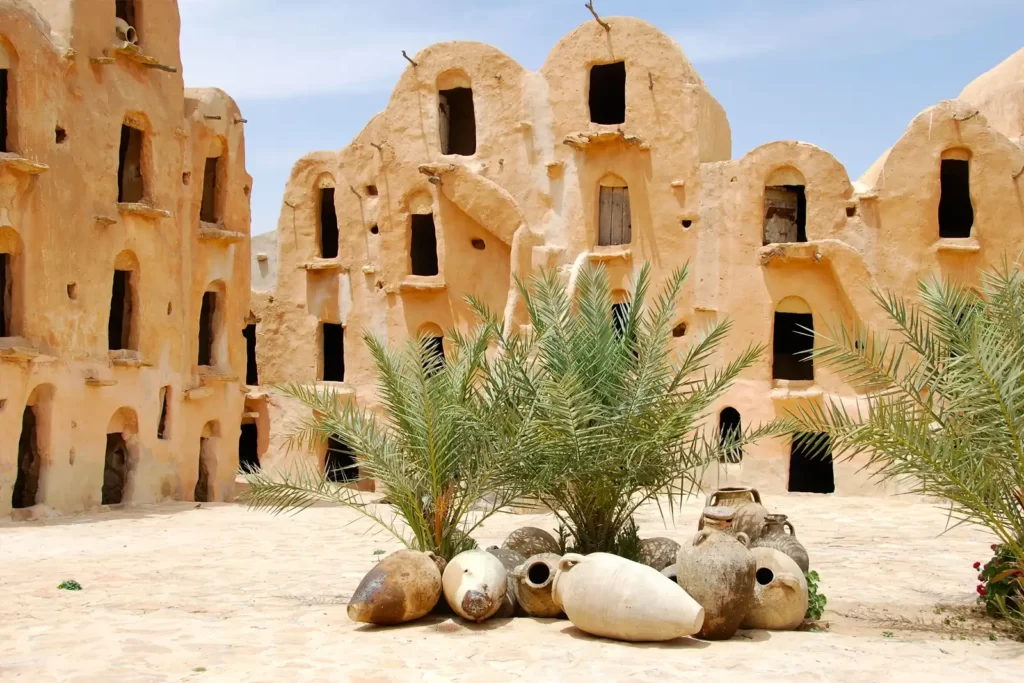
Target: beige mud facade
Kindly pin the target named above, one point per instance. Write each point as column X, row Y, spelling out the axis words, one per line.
column 616, row 153
column 124, row 246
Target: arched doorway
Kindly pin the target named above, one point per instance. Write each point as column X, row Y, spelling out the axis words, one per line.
column 730, row 431
column 118, row 460
column 205, row 490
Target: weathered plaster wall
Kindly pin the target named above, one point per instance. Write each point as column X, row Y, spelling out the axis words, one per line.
column 60, row 217
column 532, row 189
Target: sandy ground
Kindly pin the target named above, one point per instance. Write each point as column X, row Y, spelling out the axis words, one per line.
column 221, row 593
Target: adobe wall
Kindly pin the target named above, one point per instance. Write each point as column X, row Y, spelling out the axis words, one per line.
column 532, row 189
column 66, row 232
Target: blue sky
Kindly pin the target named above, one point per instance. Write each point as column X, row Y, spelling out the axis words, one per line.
column 846, row 75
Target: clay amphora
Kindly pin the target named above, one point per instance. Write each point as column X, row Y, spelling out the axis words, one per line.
column 659, row 552
column 475, row 583
column 613, row 597
column 717, row 569
column 746, row 502
column 534, row 579
column 403, row 586
column 780, row 593
column 510, row 559
column 773, row 535
column 530, row 541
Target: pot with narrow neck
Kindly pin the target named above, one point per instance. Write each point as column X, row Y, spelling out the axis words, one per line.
column 746, row 503
column 774, row 535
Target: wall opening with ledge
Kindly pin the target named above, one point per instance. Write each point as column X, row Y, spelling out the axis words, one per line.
column 328, row 228
column 340, row 463
column 122, row 312
column 423, row 249
column 608, row 93
column 210, row 211
column 791, row 345
column 332, row 352
column 130, row 184
column 457, row 121
column 615, row 224
column 4, row 115
column 730, row 432
column 785, row 214
column 252, row 374
column 810, row 464
column 956, row 213
column 207, row 328
column 6, row 296
column 248, row 449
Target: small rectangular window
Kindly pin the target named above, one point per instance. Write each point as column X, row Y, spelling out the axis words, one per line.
column 615, row 225
column 252, row 375
column 340, row 464
column 209, row 211
column 248, row 449
column 206, row 328
column 4, row 115
column 792, row 345
column 457, row 119
column 785, row 214
column 163, row 427
column 810, row 464
column 130, row 187
column 608, row 93
column 328, row 224
column 119, row 326
column 956, row 213
column 332, row 353
column 423, row 249
column 6, row 285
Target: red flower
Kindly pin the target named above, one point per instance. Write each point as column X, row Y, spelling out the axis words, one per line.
column 981, row 590
column 977, row 565
column 993, row 546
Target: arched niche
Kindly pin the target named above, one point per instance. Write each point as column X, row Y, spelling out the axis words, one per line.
column 792, row 340
column 456, row 113
column 11, row 283
column 206, row 482
column 120, row 457
column 956, row 209
column 34, row 448
column 216, row 181
column 785, row 206
column 212, row 340
column 125, row 303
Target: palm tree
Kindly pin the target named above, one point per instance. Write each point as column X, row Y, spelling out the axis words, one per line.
column 607, row 417
column 942, row 399
column 434, row 446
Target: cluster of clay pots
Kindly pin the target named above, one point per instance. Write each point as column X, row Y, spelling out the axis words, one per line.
column 741, row 570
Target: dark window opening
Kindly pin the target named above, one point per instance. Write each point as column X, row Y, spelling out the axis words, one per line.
column 130, row 186
column 810, row 464
column 687, row 224
column 730, row 432
column 162, row 429
column 620, row 319
column 201, row 493
column 433, row 359
column 115, row 470
column 252, row 375
column 956, row 214
column 679, row 330
column 332, row 353
column 792, row 345
column 457, row 121
column 4, row 115
column 340, row 462
column 785, row 214
column 208, row 211
column 615, row 225
column 328, row 224
column 608, row 93
column 125, row 10
column 374, row 230
column 26, row 484
column 851, row 211
column 371, row 190
column 6, row 295
column 60, row 135
column 478, row 244
column 206, row 331
column 424, row 245
column 119, row 327
column 248, row 449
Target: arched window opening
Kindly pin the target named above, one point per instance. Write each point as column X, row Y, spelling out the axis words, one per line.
column 115, row 470
column 210, row 327
column 433, row 359
column 130, row 184
column 423, row 249
column 457, row 120
column 340, row 463
column 785, row 214
column 6, row 296
column 26, row 484
column 121, row 323
column 730, row 434
column 810, row 464
column 615, row 224
column 204, row 489
column 332, row 352
column 209, row 212
column 608, row 93
column 252, row 374
column 248, row 449
column 328, row 224
column 956, row 213
column 793, row 341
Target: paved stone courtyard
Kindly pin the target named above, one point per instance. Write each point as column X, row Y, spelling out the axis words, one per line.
column 221, row 593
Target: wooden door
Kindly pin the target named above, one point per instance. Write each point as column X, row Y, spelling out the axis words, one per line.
column 614, row 222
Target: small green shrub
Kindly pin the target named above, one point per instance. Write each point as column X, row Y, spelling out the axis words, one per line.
column 1000, row 588
column 816, row 600
column 69, row 585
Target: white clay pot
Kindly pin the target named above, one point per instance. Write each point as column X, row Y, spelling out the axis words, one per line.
column 610, row 596
column 474, row 584
column 780, row 592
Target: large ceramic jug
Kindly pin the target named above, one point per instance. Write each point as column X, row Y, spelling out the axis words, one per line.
column 773, row 535
column 780, row 595
column 530, row 541
column 403, row 586
column 613, row 597
column 717, row 570
column 474, row 584
column 534, row 580
column 746, row 502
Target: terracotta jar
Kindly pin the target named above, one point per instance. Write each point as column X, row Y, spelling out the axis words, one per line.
column 533, row 581
column 474, row 584
column 780, row 592
column 529, row 541
column 610, row 596
column 773, row 535
column 403, row 586
column 717, row 570
column 659, row 552
column 510, row 559
column 746, row 502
